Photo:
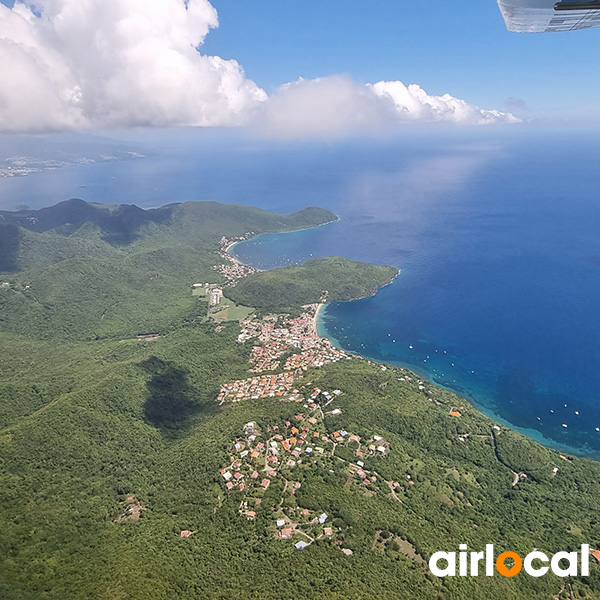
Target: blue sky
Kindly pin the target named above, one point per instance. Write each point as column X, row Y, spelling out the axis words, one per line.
column 461, row 47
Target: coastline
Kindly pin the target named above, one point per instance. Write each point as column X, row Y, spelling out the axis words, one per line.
column 321, row 331
column 232, row 245
column 532, row 434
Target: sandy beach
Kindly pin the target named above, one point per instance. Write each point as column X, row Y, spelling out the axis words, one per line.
column 318, row 307
column 229, row 247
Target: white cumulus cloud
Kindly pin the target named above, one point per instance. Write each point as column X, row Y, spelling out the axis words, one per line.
column 78, row 64
column 98, row 63
column 413, row 102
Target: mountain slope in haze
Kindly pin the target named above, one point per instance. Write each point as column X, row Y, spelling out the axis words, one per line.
column 197, row 224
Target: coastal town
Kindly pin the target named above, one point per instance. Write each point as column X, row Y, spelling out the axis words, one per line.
column 279, row 337
column 232, row 269
column 285, row 347
column 265, row 457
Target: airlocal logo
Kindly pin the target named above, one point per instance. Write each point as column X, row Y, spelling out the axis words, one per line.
column 535, row 564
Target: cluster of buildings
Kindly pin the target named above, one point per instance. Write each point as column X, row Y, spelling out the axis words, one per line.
column 362, row 474
column 314, row 358
column 213, row 293
column 279, row 335
column 314, row 350
column 261, row 456
column 266, row 358
column 261, row 329
column 377, row 445
column 263, row 386
column 298, row 332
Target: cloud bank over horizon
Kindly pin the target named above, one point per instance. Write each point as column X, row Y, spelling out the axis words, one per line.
column 336, row 105
column 75, row 64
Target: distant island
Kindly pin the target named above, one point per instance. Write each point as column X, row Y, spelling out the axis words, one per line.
column 173, row 426
column 22, row 155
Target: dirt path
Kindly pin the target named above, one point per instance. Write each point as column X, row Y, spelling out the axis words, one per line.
column 394, row 496
column 516, row 475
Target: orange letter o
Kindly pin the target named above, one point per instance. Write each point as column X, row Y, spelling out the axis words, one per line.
column 514, row 570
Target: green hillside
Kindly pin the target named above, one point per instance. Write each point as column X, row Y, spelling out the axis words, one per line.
column 112, row 446
column 74, row 454
column 99, row 297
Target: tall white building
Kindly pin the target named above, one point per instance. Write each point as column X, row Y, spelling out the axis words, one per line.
column 541, row 16
column 214, row 296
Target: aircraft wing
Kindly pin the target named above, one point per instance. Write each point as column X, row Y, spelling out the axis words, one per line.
column 540, row 16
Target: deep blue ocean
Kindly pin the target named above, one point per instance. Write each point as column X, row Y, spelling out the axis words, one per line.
column 496, row 233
